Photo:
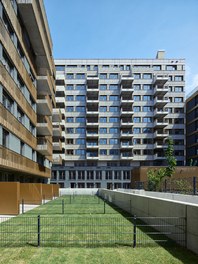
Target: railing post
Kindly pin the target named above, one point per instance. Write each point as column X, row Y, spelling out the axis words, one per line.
column 134, row 231
column 39, row 231
column 22, row 206
column 194, row 185
column 104, row 207
column 63, row 205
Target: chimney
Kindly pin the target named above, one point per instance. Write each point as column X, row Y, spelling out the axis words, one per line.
column 160, row 54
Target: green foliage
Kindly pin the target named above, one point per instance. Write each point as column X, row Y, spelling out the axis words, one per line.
column 155, row 176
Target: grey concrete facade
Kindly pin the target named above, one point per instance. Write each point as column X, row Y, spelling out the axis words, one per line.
column 117, row 115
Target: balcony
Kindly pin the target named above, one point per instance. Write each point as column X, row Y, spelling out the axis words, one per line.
column 126, row 80
column 60, row 102
column 57, row 130
column 57, row 159
column 56, row 115
column 126, row 156
column 160, row 124
column 159, row 134
column 44, row 105
column 92, row 111
column 158, row 90
column 126, row 134
column 159, row 156
column 126, row 90
column 44, row 146
column 44, row 126
column 126, row 123
column 92, row 145
column 159, row 145
column 92, row 156
column 160, row 102
column 126, row 145
column 92, row 101
column 92, row 122
column 45, row 85
column 92, row 134
column 125, row 101
column 57, row 145
column 160, row 80
column 159, row 113
column 92, row 81
column 124, row 112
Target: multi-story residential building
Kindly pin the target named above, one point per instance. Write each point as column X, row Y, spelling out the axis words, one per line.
column 118, row 114
column 27, row 92
column 192, row 128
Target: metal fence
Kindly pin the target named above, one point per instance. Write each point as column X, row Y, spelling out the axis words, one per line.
column 174, row 185
column 91, row 231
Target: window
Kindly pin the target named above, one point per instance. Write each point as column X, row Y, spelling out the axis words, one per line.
column 103, row 130
column 70, row 76
column 136, row 98
column 103, row 152
column 136, row 119
column 60, row 67
column 95, row 67
column 80, row 87
column 103, row 98
column 80, row 98
column 20, row 115
column 147, row 76
column 105, row 66
column 80, row 119
column 113, row 109
column 136, row 141
column 157, row 67
column 70, row 119
column 178, row 89
column 103, row 119
column 113, row 141
column 147, row 120
column 113, row 98
column 113, row 76
column 99, row 173
column 80, row 141
column 113, row 87
column 103, row 87
column 70, row 130
column 147, row 98
column 103, row 109
column 178, row 99
column 136, row 130
column 103, row 141
column 80, row 130
column 114, row 130
column 147, row 141
column 136, row 108
column 137, row 76
column 5, row 138
column 147, row 108
column 114, row 152
column 147, row 87
column 108, row 175
column 128, row 67
column 113, row 119
column 178, row 78
column 70, row 87
column 103, row 76
column 80, row 76
column 69, row 98
column 80, row 109
column 8, row 102
column 122, row 67
column 80, row 152
column 69, row 109
column 171, row 67
column 136, row 87
column 147, row 130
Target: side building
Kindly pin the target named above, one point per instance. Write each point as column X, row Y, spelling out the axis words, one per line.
column 192, row 128
column 117, row 115
column 27, row 92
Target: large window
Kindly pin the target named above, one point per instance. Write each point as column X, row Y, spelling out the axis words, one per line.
column 69, row 98
column 114, row 130
column 113, row 87
column 113, row 141
column 80, row 87
column 103, row 87
column 136, row 108
column 80, row 76
column 147, row 76
column 136, row 130
column 103, row 130
column 80, row 152
column 103, row 76
column 178, row 99
column 103, row 109
column 147, row 98
column 80, row 141
column 136, row 98
column 80, row 98
column 70, row 119
column 70, row 76
column 103, row 152
column 103, row 141
column 113, row 119
column 136, row 119
column 147, row 108
column 103, row 98
column 113, row 98
column 80, row 109
column 113, row 109
column 114, row 152
column 80, row 130
column 113, row 76
column 80, row 119
column 69, row 108
column 103, row 119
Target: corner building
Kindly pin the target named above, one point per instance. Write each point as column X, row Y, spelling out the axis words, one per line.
column 117, row 115
column 27, row 92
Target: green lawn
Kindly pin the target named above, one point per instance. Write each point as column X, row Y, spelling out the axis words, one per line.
column 83, row 232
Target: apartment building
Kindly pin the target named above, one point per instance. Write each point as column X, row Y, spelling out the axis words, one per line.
column 27, row 92
column 192, row 128
column 117, row 115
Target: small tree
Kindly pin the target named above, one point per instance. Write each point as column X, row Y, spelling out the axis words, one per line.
column 155, row 176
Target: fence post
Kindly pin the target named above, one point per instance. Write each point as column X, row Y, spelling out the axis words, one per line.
column 104, row 207
column 134, row 231
column 39, row 231
column 63, row 206
column 22, row 206
column 194, row 185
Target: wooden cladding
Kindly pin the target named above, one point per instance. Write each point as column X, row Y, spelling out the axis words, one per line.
column 10, row 122
column 14, row 161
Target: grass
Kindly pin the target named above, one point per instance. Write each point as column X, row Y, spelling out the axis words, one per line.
column 77, row 211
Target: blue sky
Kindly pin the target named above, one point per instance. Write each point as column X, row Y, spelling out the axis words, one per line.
column 126, row 29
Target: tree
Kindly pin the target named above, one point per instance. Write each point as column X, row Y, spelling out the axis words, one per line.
column 155, row 176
